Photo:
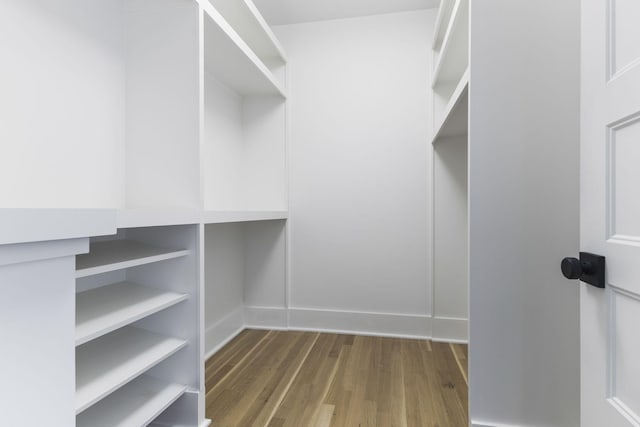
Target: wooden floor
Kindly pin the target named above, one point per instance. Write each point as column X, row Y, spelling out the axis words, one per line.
column 299, row 379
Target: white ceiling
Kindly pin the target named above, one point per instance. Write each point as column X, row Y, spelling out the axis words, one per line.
column 280, row 12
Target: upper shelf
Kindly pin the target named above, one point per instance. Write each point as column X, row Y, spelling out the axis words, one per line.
column 245, row 18
column 454, row 53
column 454, row 120
column 442, row 22
column 120, row 254
column 232, row 61
column 218, row 217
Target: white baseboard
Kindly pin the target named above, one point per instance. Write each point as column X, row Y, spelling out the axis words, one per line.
column 361, row 323
column 488, row 424
column 335, row 321
column 450, row 329
column 265, row 317
column 223, row 331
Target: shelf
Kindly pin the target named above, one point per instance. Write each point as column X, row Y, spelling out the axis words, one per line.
column 120, row 254
column 105, row 309
column 442, row 22
column 39, row 225
column 454, row 121
column 454, row 54
column 230, row 60
column 218, row 217
column 245, row 18
column 136, row 218
column 136, row 404
column 108, row 363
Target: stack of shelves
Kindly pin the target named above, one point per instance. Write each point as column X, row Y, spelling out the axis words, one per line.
column 451, row 74
column 114, row 354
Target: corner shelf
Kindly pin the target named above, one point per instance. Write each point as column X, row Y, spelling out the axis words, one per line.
column 442, row 21
column 136, row 404
column 231, row 60
column 108, row 363
column 120, row 254
column 454, row 120
column 245, row 18
column 105, row 309
column 454, row 53
column 218, row 217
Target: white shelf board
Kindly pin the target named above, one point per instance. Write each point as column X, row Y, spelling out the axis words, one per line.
column 454, row 53
column 105, row 309
column 454, row 120
column 442, row 22
column 217, row 217
column 39, row 225
column 136, row 404
column 230, row 60
column 246, row 19
column 136, row 218
column 120, row 254
column 108, row 363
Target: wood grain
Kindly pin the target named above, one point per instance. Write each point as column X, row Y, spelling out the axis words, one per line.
column 299, row 379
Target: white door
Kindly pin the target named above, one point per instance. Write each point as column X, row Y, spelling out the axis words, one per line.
column 610, row 212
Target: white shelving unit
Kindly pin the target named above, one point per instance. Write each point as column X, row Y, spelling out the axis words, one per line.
column 158, row 78
column 450, row 80
column 450, row 161
column 136, row 404
column 105, row 309
column 135, row 315
column 243, row 145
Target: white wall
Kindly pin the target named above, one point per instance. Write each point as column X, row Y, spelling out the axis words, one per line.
column 62, row 104
column 523, row 185
column 359, row 183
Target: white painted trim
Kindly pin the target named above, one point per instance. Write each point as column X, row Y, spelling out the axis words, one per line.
column 334, row 321
column 223, row 331
column 265, row 317
column 450, row 329
column 488, row 424
column 361, row 323
column 206, row 423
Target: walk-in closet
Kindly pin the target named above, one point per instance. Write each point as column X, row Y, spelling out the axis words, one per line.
column 281, row 213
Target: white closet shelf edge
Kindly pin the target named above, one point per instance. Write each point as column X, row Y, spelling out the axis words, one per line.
column 110, row 362
column 136, row 404
column 241, row 68
column 121, row 254
column 105, row 309
column 455, row 109
column 452, row 43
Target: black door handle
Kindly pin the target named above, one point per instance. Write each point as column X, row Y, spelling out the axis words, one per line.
column 590, row 268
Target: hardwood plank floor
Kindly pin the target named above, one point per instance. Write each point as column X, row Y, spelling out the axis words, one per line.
column 300, row 379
